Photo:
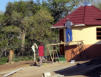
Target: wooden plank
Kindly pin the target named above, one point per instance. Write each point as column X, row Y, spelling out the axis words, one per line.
column 99, row 31
column 65, row 43
column 98, row 35
column 10, row 73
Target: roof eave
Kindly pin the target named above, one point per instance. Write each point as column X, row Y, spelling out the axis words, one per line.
column 79, row 25
column 54, row 27
column 76, row 25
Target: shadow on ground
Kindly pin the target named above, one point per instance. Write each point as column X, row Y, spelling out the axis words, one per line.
column 91, row 68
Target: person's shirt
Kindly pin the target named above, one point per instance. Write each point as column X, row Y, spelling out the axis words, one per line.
column 68, row 24
column 41, row 50
column 34, row 47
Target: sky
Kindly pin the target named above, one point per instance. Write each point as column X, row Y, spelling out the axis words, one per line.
column 3, row 3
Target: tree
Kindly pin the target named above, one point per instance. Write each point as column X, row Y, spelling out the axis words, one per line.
column 1, row 13
column 41, row 25
column 60, row 8
column 2, row 19
column 19, row 14
column 10, row 38
column 98, row 5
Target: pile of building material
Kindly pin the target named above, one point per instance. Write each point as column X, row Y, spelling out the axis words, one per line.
column 51, row 74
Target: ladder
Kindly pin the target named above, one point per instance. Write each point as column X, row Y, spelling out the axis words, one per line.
column 53, row 52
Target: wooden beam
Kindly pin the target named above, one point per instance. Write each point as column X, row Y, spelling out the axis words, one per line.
column 10, row 73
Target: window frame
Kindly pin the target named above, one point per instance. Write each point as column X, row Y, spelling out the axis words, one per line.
column 98, row 36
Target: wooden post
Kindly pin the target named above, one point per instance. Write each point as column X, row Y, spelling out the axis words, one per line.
column 11, row 56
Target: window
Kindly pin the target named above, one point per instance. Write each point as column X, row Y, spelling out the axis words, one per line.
column 98, row 31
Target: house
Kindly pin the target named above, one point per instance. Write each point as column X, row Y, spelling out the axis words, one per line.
column 86, row 33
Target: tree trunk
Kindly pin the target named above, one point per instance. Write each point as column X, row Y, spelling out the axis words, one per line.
column 23, row 42
column 11, row 56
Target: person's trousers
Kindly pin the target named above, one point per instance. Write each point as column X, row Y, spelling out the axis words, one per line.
column 41, row 59
column 68, row 35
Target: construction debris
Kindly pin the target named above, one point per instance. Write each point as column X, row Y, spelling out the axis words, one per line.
column 72, row 61
column 51, row 74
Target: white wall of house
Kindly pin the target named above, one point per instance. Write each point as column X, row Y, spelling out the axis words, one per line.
column 86, row 34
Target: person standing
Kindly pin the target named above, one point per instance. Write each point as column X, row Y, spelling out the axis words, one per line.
column 34, row 47
column 41, row 52
column 68, row 25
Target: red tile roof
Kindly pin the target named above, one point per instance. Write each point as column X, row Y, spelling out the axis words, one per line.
column 88, row 15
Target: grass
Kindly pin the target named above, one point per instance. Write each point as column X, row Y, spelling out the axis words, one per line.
column 62, row 58
column 22, row 58
column 4, row 60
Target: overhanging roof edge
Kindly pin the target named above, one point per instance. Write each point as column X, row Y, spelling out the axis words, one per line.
column 58, row 27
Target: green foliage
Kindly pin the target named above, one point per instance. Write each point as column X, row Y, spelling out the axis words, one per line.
column 62, row 58
column 25, row 22
column 42, row 22
column 98, row 5
column 20, row 15
column 9, row 29
column 3, row 43
column 1, row 12
column 10, row 38
column 61, row 1
column 24, row 58
column 3, row 60
column 2, row 18
column 60, row 8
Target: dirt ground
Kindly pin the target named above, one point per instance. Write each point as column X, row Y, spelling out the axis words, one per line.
column 31, row 71
column 36, row 71
column 28, row 70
